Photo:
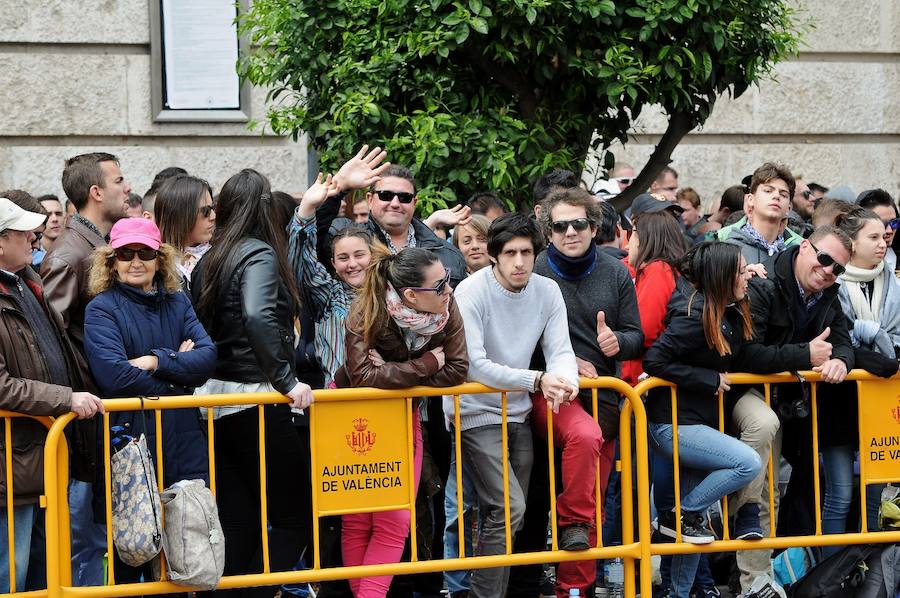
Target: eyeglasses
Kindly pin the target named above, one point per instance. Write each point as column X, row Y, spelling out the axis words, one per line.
column 893, row 223
column 124, row 254
column 438, row 288
column 561, row 227
column 826, row 260
column 207, row 210
column 402, row 197
column 38, row 235
column 624, row 180
column 806, row 194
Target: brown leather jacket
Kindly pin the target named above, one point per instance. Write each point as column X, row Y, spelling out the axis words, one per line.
column 23, row 388
column 65, row 272
column 403, row 368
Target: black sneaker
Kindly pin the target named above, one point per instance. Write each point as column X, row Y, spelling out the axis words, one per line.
column 574, row 537
column 746, row 523
column 694, row 529
column 710, row 592
column 665, row 523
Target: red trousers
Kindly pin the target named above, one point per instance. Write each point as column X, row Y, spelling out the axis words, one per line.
column 581, row 441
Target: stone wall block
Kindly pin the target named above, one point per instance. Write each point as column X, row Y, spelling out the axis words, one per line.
column 65, row 21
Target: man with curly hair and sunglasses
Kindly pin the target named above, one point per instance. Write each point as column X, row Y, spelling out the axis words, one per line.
column 605, row 328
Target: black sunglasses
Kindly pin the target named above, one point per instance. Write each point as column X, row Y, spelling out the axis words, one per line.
column 402, row 197
column 438, row 288
column 124, row 254
column 826, row 260
column 561, row 226
column 893, row 223
column 206, row 210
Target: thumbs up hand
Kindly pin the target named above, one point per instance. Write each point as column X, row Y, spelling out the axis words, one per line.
column 606, row 338
column 820, row 349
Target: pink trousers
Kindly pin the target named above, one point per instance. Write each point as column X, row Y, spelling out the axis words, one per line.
column 377, row 538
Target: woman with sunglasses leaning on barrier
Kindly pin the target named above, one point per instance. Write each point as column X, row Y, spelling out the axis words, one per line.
column 186, row 218
column 246, row 296
column 704, row 339
column 142, row 338
column 404, row 329
column 870, row 299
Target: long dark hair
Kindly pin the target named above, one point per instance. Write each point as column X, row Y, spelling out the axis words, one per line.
column 712, row 267
column 245, row 209
column 176, row 208
column 404, row 269
column 659, row 239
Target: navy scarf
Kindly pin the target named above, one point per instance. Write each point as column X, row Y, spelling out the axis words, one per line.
column 571, row 268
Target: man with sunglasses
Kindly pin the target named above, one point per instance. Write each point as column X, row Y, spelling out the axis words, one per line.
column 605, row 328
column 797, row 310
column 392, row 208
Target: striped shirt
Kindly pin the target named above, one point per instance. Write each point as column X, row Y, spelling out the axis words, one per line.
column 328, row 299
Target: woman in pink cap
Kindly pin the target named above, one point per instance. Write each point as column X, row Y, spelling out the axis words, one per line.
column 142, row 338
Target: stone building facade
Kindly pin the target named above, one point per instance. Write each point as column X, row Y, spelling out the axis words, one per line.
column 832, row 114
column 75, row 77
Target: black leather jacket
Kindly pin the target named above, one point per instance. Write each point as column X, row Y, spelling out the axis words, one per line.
column 253, row 321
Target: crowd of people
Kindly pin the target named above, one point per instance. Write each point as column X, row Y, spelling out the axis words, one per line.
column 192, row 290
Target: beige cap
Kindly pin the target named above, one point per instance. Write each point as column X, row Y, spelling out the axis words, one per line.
column 12, row 217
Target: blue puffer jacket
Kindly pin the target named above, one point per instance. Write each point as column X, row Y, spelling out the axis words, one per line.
column 124, row 322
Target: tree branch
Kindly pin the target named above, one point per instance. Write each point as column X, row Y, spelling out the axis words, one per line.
column 511, row 79
column 680, row 124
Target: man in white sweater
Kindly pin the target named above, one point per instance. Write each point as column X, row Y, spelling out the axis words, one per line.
column 507, row 311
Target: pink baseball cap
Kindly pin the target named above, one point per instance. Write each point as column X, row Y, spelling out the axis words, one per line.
column 134, row 230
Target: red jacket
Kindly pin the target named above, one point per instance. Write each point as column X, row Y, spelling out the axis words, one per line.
column 654, row 287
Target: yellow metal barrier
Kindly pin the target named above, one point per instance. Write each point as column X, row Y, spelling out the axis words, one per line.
column 634, row 547
column 7, row 417
column 773, row 541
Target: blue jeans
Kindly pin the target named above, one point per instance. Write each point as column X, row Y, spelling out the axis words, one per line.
column 712, row 465
column 839, row 477
column 88, row 537
column 457, row 581
column 23, row 521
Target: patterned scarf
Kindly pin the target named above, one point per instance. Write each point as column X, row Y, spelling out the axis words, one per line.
column 189, row 258
column 772, row 248
column 417, row 326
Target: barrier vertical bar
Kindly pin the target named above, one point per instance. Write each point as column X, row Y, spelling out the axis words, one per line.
column 460, row 513
column 863, row 487
column 725, row 532
column 814, row 413
column 107, row 458
column 160, row 483
column 263, row 491
column 675, row 465
column 627, row 494
column 551, row 469
column 10, row 507
column 314, row 475
column 504, row 437
column 412, row 480
column 211, row 448
column 767, row 388
column 598, row 496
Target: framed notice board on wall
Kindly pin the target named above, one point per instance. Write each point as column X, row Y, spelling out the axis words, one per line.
column 194, row 47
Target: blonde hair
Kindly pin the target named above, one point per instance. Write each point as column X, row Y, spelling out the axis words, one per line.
column 103, row 274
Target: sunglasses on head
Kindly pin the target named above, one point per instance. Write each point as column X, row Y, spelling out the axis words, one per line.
column 893, row 223
column 124, row 254
column 402, row 197
column 560, row 227
column 438, row 288
column 826, row 260
column 207, row 210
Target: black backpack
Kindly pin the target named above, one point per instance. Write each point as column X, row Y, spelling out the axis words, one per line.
column 838, row 576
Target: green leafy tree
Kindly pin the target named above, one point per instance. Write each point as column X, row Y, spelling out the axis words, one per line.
column 479, row 95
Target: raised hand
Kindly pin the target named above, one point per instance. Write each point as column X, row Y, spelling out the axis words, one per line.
column 606, row 338
column 317, row 193
column 459, row 215
column 362, row 170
